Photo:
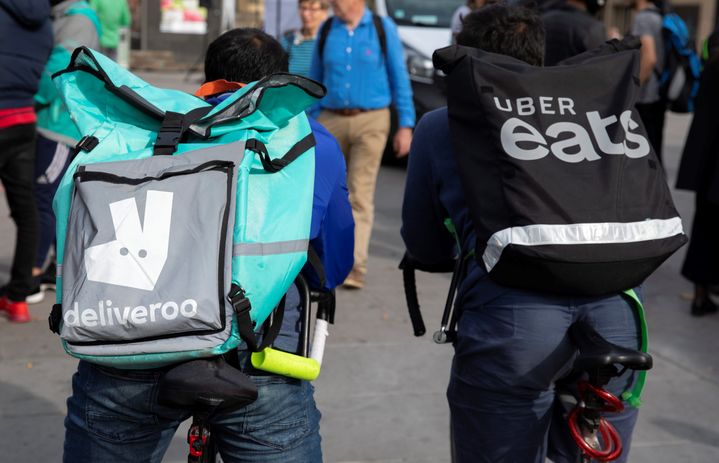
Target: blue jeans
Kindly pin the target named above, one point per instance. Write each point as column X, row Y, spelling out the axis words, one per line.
column 508, row 355
column 113, row 416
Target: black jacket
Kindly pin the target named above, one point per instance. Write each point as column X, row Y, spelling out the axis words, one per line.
column 25, row 44
column 569, row 32
column 699, row 168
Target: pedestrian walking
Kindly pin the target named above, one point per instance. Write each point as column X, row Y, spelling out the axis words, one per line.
column 25, row 43
column 74, row 24
column 360, row 61
column 300, row 43
column 114, row 15
column 699, row 172
column 651, row 106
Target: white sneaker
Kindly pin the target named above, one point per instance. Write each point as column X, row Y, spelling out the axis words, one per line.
column 36, row 297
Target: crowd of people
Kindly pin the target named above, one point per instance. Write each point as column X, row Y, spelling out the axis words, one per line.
column 39, row 130
column 512, row 344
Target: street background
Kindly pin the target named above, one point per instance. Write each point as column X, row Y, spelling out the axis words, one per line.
column 382, row 391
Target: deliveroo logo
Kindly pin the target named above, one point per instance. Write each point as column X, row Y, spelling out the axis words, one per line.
column 138, row 254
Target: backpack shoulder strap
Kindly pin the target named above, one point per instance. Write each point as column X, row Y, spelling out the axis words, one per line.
column 324, row 32
column 246, row 326
column 378, row 25
column 381, row 34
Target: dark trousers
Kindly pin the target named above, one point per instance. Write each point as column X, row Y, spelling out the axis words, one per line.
column 701, row 265
column 507, row 358
column 652, row 115
column 17, row 166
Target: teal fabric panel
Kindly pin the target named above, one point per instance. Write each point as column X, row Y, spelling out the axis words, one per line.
column 268, row 217
column 52, row 116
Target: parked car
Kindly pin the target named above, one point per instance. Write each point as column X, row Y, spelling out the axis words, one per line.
column 423, row 27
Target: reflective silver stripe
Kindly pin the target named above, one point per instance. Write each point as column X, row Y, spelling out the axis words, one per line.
column 58, row 270
column 266, row 249
column 579, row 233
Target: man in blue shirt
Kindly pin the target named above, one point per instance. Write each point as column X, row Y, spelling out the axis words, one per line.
column 362, row 81
column 113, row 415
column 512, row 345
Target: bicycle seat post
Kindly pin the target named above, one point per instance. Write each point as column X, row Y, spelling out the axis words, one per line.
column 601, row 375
column 601, row 360
column 198, row 436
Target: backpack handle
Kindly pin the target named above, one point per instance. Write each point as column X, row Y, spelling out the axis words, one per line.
column 275, row 165
column 84, row 60
column 250, row 101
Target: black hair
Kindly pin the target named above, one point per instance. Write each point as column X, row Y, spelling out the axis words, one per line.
column 510, row 30
column 244, row 55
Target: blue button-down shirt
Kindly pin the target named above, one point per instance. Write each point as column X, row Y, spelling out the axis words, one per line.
column 356, row 73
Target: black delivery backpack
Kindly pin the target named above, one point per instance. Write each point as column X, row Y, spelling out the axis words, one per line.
column 563, row 187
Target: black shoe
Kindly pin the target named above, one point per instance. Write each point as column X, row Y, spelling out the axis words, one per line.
column 704, row 307
column 47, row 279
column 43, row 283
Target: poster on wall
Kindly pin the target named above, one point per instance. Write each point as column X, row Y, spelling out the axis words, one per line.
column 183, row 17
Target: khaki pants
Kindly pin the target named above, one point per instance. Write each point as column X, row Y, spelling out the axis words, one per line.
column 362, row 139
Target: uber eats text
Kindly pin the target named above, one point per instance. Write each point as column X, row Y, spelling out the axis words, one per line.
column 568, row 139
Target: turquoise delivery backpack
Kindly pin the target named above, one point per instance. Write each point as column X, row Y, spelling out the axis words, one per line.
column 180, row 226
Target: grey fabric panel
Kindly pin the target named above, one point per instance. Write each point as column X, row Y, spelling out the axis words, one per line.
column 268, row 249
column 72, row 31
column 157, row 273
column 188, row 343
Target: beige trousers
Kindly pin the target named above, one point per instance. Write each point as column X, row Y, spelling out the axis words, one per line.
column 362, row 139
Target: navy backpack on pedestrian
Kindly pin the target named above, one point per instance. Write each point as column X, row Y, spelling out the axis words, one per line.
column 679, row 79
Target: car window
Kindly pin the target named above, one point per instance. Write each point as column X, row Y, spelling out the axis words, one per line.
column 430, row 13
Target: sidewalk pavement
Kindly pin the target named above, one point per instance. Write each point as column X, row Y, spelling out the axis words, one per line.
column 382, row 391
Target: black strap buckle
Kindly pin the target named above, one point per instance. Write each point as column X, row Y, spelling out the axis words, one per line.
column 168, row 139
column 87, row 143
column 55, row 318
column 170, row 133
column 169, row 136
column 239, row 301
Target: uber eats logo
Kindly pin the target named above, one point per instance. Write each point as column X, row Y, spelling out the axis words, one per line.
column 134, row 259
column 571, row 139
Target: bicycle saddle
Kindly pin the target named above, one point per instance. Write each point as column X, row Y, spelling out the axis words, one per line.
column 596, row 352
column 207, row 386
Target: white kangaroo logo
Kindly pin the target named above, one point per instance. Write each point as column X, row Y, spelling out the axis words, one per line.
column 138, row 254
